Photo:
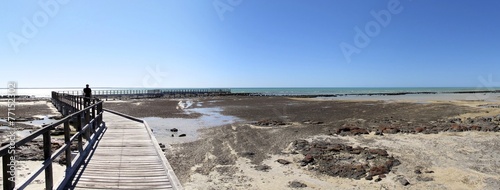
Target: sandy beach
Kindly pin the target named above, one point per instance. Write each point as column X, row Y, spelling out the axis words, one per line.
column 366, row 142
column 438, row 143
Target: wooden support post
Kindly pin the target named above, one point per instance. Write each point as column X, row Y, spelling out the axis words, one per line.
column 67, row 130
column 87, row 122
column 99, row 110
column 47, row 153
column 9, row 181
column 79, row 129
column 93, row 108
column 64, row 113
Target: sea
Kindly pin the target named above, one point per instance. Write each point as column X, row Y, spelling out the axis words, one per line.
column 46, row 92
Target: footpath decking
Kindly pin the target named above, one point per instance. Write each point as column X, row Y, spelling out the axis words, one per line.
column 127, row 157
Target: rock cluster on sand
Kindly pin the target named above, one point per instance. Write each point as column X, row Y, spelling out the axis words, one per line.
column 269, row 123
column 283, row 161
column 402, row 180
column 393, row 126
column 297, row 184
column 272, row 123
column 345, row 161
column 263, row 168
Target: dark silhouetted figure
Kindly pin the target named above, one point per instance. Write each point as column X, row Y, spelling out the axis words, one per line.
column 87, row 92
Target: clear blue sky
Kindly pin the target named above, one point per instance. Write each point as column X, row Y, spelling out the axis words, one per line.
column 256, row 43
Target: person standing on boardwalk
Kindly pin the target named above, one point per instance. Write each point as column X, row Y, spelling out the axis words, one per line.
column 87, row 92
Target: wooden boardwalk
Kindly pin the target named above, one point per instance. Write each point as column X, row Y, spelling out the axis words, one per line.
column 126, row 157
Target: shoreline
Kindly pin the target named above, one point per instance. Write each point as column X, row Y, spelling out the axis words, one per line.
column 370, row 94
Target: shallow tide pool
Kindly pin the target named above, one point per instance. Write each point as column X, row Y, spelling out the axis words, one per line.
column 211, row 117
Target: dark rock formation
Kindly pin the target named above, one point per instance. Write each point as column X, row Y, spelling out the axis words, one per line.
column 248, row 154
column 283, row 161
column 345, row 161
column 420, row 178
column 402, row 180
column 350, row 130
column 270, row 123
column 296, row 184
column 263, row 168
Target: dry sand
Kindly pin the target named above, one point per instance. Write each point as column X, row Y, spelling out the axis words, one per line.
column 25, row 168
column 467, row 167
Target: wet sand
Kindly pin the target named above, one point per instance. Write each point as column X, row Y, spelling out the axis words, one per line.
column 243, row 154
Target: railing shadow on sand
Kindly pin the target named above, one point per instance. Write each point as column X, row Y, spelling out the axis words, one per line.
column 87, row 123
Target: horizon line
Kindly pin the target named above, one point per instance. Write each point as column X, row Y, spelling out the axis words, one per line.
column 256, row 87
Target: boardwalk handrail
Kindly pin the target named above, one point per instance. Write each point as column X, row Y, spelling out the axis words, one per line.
column 88, row 124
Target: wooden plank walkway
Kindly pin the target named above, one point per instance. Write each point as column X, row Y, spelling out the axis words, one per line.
column 127, row 157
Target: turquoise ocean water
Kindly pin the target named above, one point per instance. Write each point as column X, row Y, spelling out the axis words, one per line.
column 45, row 92
column 336, row 91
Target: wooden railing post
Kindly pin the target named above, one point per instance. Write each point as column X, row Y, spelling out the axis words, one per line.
column 47, row 153
column 79, row 129
column 9, row 174
column 67, row 138
column 93, row 115
column 99, row 110
column 87, row 122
